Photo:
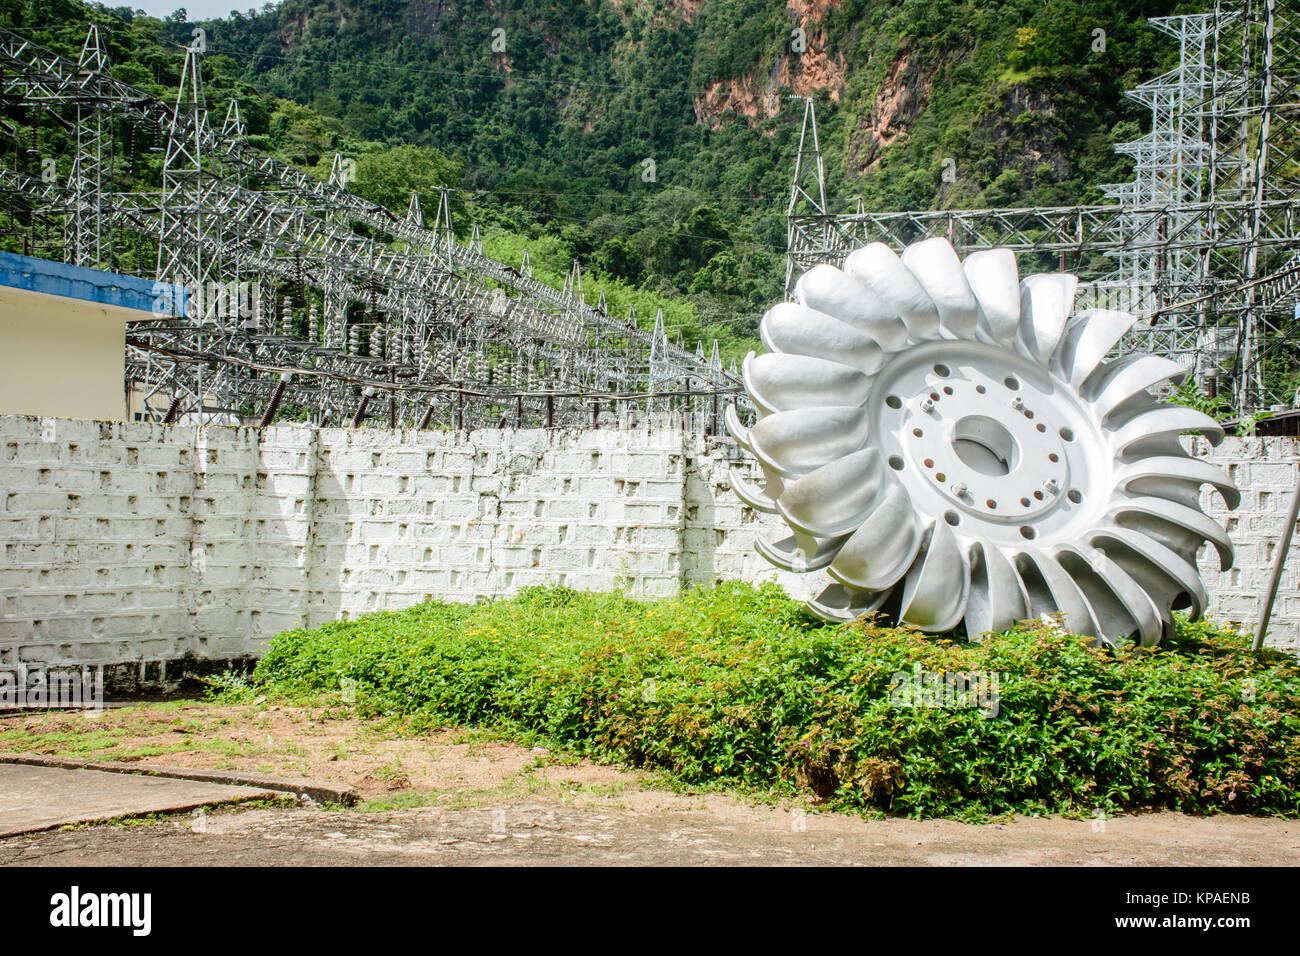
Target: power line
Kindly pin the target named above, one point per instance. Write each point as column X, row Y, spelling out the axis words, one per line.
column 437, row 316
column 513, row 76
column 450, row 387
column 730, row 241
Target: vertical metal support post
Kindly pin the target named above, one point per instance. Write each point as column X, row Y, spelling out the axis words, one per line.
column 1275, row 576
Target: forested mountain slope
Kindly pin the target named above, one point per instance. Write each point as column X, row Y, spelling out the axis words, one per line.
column 655, row 140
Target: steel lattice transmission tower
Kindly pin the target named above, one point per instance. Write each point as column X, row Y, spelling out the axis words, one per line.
column 86, row 245
column 301, row 292
column 1204, row 240
column 806, row 229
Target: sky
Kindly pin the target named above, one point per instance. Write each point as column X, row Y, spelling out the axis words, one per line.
column 197, row 9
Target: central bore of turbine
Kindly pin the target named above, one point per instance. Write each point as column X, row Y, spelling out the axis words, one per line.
column 985, row 445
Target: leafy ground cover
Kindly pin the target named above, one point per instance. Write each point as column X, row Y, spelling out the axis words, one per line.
column 736, row 687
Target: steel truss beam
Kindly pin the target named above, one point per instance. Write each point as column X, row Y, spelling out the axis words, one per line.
column 1205, row 237
column 436, row 316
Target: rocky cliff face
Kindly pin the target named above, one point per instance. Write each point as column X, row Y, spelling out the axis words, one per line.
column 1033, row 145
column 805, row 67
column 895, row 106
column 902, row 85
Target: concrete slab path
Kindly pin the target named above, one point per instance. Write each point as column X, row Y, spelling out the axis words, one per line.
column 673, row 831
column 39, row 798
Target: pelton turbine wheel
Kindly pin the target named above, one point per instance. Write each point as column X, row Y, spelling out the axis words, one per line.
column 950, row 442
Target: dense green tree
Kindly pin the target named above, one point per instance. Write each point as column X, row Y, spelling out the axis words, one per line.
column 389, row 176
column 596, row 131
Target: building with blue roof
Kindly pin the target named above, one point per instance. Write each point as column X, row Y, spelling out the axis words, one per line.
column 63, row 336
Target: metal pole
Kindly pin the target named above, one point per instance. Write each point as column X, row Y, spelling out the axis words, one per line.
column 1279, row 560
column 424, row 419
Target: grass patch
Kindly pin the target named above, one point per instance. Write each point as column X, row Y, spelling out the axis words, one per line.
column 737, row 687
column 112, row 745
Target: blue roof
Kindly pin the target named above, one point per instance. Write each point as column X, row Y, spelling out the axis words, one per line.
column 91, row 285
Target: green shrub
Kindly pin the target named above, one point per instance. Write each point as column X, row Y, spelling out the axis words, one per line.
column 737, row 686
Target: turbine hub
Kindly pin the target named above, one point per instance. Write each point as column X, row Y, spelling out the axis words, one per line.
column 982, row 437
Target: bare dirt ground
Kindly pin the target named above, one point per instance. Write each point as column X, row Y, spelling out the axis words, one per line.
column 462, row 797
column 386, row 767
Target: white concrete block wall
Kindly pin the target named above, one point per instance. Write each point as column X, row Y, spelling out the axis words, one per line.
column 1265, row 471
column 95, row 528
column 401, row 517
column 128, row 542
column 720, row 536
